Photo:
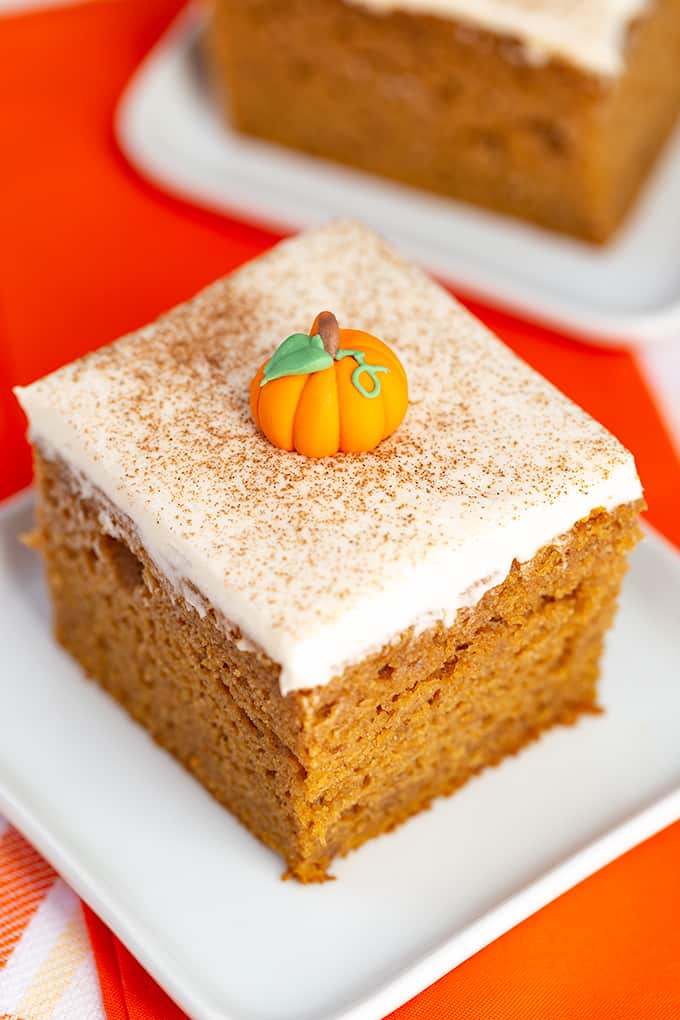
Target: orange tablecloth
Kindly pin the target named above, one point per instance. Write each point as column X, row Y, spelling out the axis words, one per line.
column 88, row 251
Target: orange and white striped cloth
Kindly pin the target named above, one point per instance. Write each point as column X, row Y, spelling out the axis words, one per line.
column 47, row 968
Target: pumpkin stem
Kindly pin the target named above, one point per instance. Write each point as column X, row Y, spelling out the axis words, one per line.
column 329, row 331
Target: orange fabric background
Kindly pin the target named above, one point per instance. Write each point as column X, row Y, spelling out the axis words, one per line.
column 88, row 251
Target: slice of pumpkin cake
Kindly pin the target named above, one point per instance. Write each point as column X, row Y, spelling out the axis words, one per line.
column 329, row 540
column 553, row 111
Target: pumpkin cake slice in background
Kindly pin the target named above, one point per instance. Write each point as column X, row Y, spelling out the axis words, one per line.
column 329, row 641
column 549, row 110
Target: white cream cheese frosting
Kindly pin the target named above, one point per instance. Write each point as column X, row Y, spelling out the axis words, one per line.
column 321, row 562
column 587, row 33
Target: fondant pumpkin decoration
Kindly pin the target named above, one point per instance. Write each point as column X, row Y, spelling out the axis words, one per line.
column 334, row 390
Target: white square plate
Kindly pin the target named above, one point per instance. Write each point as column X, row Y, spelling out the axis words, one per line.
column 199, row 901
column 168, row 126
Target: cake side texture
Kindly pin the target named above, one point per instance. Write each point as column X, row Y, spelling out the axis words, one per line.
column 316, row 773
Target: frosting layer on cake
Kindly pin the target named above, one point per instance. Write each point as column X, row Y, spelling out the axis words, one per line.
column 587, row 33
column 321, row 562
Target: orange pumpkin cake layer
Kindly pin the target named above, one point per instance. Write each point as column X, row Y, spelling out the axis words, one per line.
column 543, row 109
column 329, row 642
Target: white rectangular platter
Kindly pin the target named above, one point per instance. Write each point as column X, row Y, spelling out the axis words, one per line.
column 199, row 901
column 629, row 291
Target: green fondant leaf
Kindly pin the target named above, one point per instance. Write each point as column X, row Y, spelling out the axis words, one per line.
column 299, row 354
column 296, row 342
